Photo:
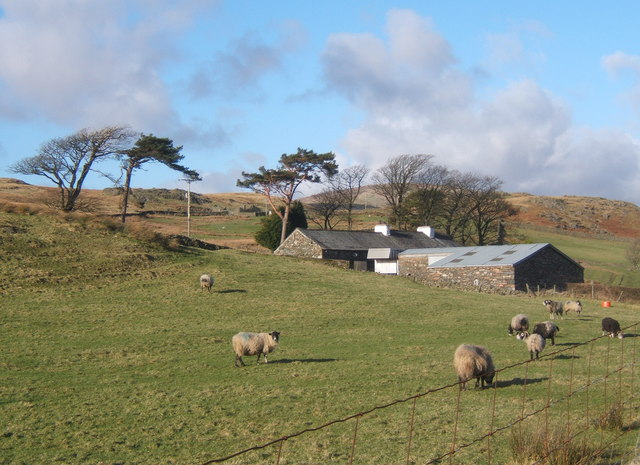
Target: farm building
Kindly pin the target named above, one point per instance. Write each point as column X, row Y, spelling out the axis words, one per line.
column 375, row 250
column 499, row 268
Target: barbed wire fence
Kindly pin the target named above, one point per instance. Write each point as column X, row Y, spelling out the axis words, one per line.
column 593, row 414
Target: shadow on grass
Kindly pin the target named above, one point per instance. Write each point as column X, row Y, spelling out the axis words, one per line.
column 304, row 360
column 565, row 357
column 232, row 291
column 519, row 382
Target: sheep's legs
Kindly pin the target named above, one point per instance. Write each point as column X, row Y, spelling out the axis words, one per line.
column 238, row 358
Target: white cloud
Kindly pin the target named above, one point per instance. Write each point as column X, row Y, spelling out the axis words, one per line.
column 417, row 101
column 84, row 63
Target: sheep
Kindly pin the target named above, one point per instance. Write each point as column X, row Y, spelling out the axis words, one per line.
column 535, row 343
column 471, row 361
column 254, row 344
column 518, row 324
column 547, row 329
column 555, row 308
column 206, row 282
column 572, row 306
column 611, row 328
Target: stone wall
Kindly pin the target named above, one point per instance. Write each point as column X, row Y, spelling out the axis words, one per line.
column 486, row 278
column 546, row 269
column 299, row 245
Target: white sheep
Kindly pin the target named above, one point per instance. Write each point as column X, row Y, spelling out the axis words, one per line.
column 518, row 324
column 548, row 330
column 535, row 343
column 572, row 306
column 471, row 361
column 555, row 308
column 206, row 282
column 254, row 344
column 611, row 328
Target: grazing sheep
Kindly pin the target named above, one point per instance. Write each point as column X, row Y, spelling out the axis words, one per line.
column 611, row 328
column 254, row 344
column 555, row 308
column 206, row 282
column 572, row 306
column 535, row 343
column 472, row 361
column 518, row 324
column 547, row 329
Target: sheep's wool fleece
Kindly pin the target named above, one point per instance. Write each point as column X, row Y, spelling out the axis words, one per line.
column 253, row 343
column 471, row 361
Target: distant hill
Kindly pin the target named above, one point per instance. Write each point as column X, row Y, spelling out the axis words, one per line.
column 590, row 216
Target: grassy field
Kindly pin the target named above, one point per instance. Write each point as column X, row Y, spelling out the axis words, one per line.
column 112, row 354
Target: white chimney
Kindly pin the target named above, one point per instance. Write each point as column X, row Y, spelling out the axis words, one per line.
column 383, row 228
column 428, row 230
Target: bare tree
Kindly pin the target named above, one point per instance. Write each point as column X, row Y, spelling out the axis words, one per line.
column 68, row 160
column 424, row 203
column 325, row 208
column 454, row 207
column 396, row 179
column 347, row 185
column 488, row 210
column 633, row 254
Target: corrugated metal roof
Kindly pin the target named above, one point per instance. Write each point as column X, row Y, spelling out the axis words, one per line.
column 364, row 240
column 487, row 255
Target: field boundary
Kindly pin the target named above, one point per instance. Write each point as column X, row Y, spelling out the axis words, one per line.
column 620, row 416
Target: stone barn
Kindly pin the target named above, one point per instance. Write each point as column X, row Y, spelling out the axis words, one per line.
column 361, row 250
column 494, row 268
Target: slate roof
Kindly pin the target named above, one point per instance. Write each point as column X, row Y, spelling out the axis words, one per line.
column 487, row 255
column 363, row 240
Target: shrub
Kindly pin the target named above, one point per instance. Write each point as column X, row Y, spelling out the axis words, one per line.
column 271, row 226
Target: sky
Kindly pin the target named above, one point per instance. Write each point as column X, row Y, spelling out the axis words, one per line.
column 544, row 95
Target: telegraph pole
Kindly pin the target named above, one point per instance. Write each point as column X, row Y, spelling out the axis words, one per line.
column 188, row 181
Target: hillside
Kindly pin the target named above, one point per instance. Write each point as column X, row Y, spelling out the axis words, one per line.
column 590, row 216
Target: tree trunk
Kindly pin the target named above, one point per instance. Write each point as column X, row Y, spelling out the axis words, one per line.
column 285, row 222
column 125, row 194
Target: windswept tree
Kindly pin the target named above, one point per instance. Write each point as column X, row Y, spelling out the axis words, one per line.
column 280, row 184
column 396, row 179
column 66, row 161
column 147, row 149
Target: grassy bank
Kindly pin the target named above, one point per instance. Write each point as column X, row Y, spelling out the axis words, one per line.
column 133, row 364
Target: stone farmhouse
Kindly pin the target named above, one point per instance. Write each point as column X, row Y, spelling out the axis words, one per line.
column 498, row 268
column 375, row 250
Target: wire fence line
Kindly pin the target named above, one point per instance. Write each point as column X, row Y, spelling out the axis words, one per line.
column 584, row 390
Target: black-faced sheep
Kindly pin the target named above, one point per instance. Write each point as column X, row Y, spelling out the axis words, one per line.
column 206, row 282
column 572, row 306
column 535, row 343
column 547, row 329
column 611, row 328
column 471, row 361
column 518, row 324
column 254, row 344
column 555, row 308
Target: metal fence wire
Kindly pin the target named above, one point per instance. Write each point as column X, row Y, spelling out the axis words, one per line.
column 591, row 417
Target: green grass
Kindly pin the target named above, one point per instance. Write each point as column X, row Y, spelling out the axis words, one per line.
column 135, row 366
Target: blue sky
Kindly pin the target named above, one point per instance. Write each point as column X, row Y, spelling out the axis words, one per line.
column 545, row 95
